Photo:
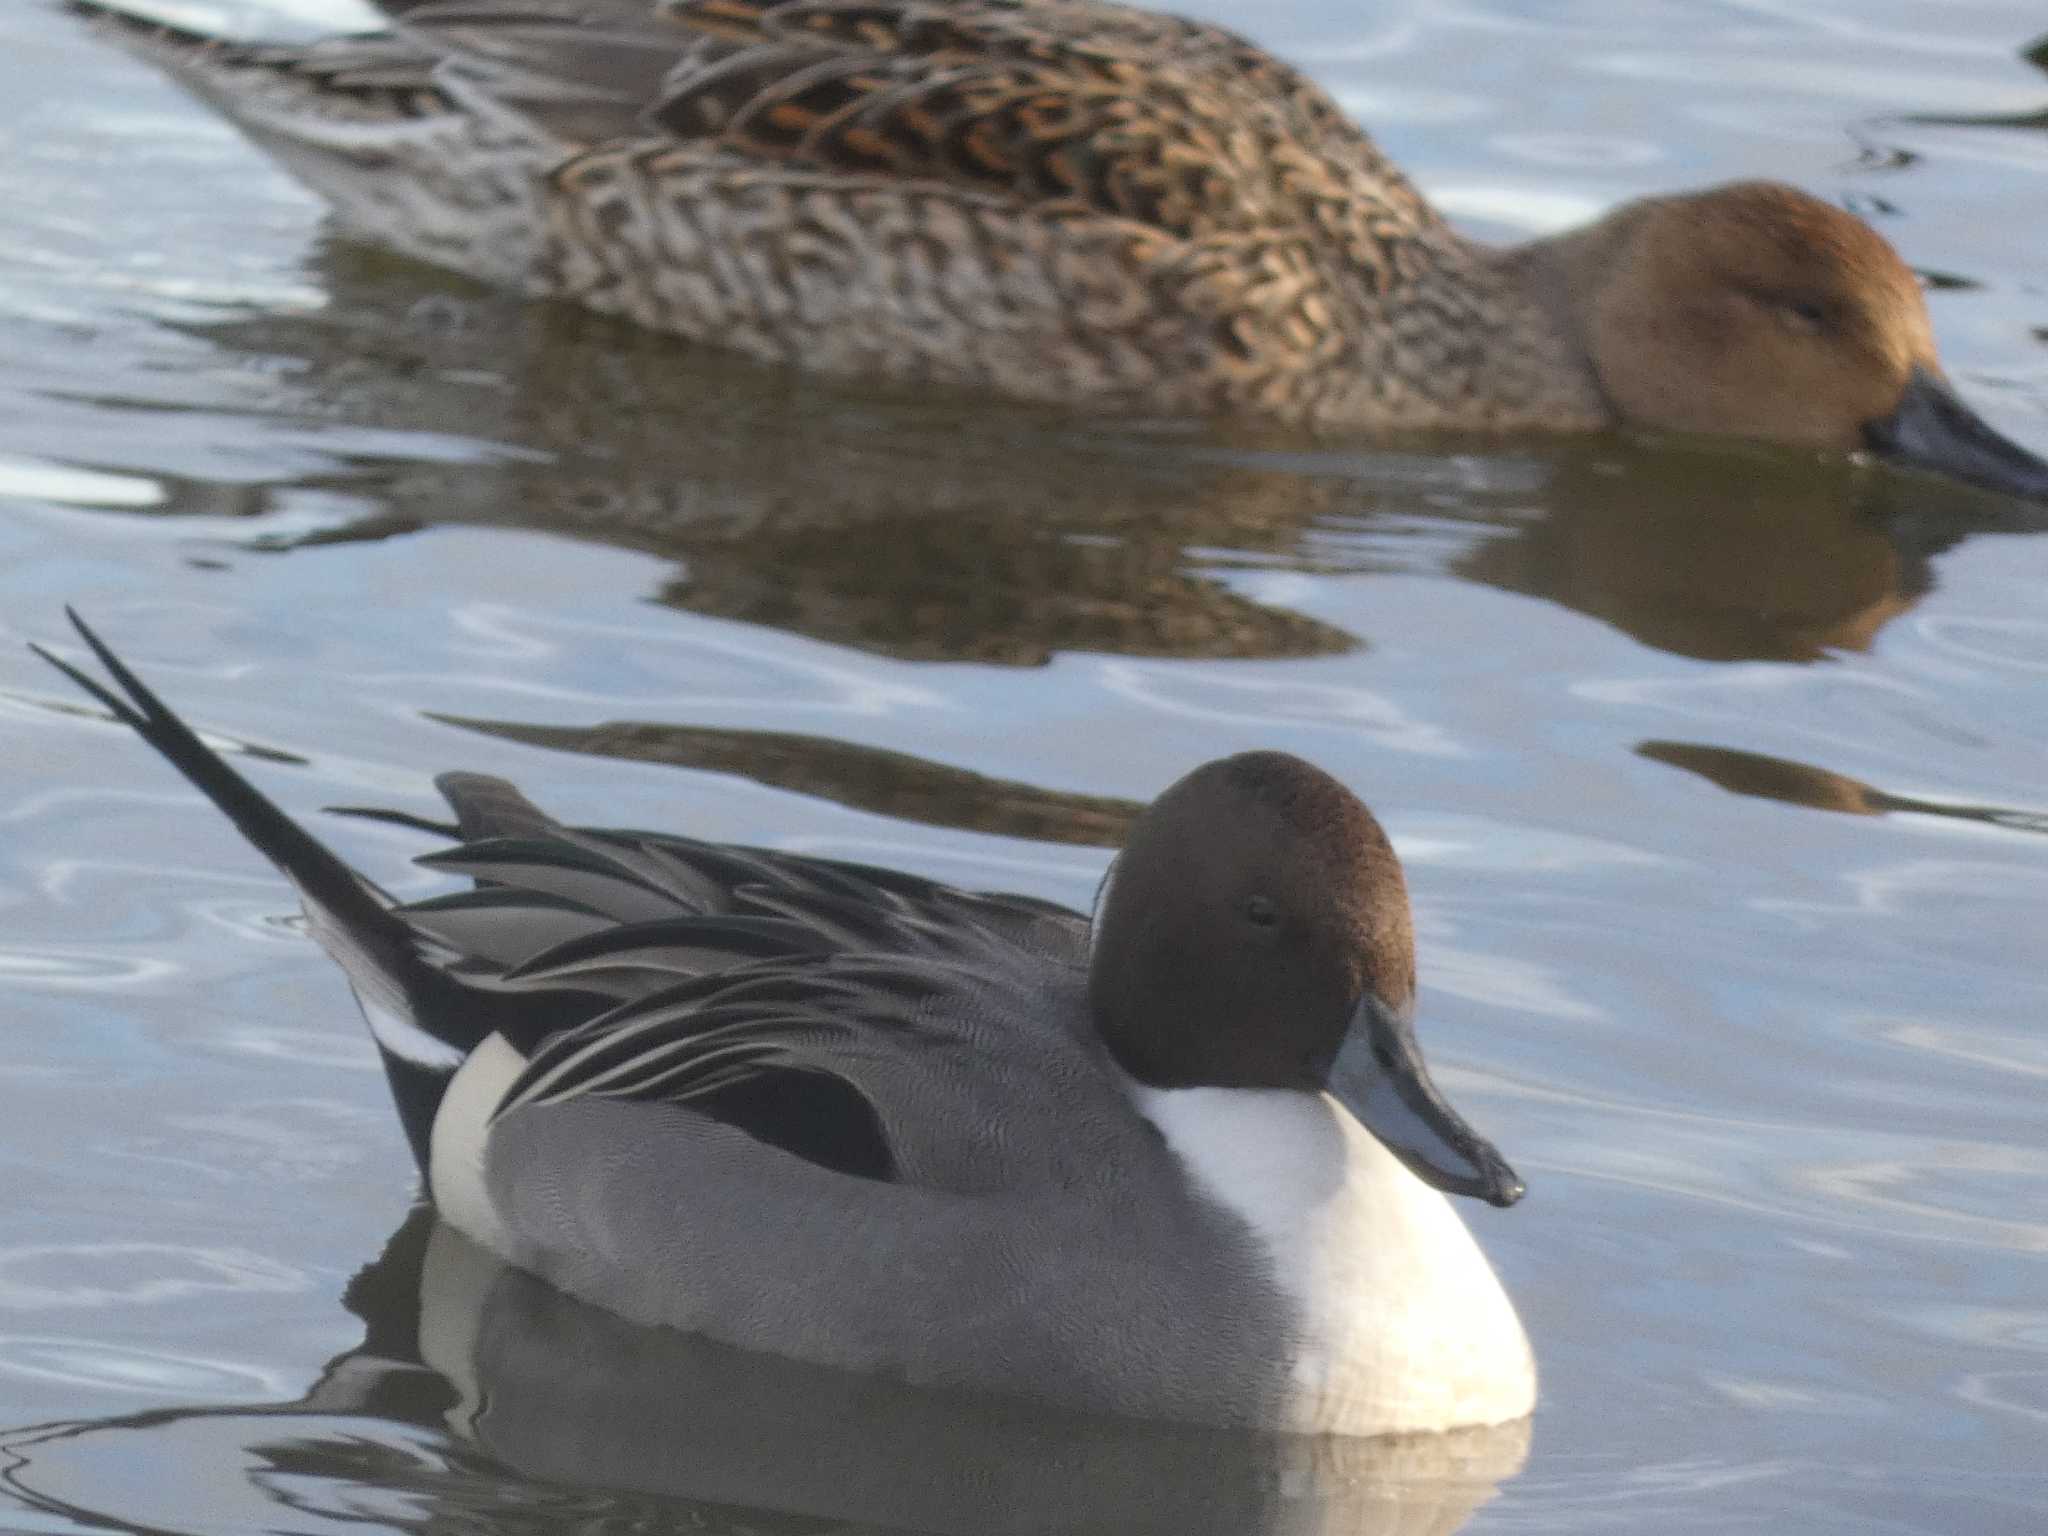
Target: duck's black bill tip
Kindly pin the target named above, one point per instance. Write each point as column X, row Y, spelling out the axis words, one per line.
column 1472, row 1168
column 1934, row 429
column 1489, row 1179
column 1380, row 1076
column 1506, row 1190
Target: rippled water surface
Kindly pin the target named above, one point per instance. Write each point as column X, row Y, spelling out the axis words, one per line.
column 1718, row 775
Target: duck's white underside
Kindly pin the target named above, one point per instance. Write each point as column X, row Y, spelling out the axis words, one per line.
column 1404, row 1326
column 455, row 1157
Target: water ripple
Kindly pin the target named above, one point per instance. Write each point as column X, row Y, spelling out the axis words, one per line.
column 84, row 969
column 760, row 669
column 1869, row 85
column 2023, row 1394
column 1262, row 699
column 125, row 1368
column 2005, row 1054
column 1926, row 1193
column 40, row 1276
column 33, row 480
column 1499, row 981
column 2002, row 644
column 333, row 1047
column 1796, row 1176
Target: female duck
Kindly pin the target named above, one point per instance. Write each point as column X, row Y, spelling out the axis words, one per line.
column 1073, row 201
column 1180, row 1167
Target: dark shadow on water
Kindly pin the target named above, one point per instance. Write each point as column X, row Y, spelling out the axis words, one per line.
column 1777, row 778
column 946, row 528
column 482, row 1401
column 896, row 784
column 2036, row 54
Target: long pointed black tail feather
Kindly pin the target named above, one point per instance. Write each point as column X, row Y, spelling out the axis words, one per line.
column 424, row 1019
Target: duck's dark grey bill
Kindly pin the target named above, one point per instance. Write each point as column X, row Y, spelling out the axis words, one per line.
column 1934, row 428
column 1381, row 1079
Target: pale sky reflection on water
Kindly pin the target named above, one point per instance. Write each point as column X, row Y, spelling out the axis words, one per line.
column 1716, row 771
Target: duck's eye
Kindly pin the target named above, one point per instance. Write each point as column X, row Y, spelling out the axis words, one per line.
column 1260, row 912
column 1807, row 316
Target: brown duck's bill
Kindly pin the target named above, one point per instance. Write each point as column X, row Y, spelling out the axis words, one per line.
column 1934, row 429
column 1381, row 1079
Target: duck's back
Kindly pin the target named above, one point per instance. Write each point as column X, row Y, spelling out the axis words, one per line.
column 1057, row 200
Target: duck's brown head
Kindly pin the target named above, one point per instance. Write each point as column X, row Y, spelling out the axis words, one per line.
column 1254, row 934
column 1755, row 310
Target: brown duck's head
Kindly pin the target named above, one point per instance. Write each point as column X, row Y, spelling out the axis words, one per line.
column 1255, row 934
column 1755, row 310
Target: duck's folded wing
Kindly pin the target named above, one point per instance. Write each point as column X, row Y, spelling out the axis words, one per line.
column 623, row 913
column 1170, row 123
column 908, row 1068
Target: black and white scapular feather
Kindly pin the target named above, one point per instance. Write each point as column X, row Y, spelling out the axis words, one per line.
column 638, row 965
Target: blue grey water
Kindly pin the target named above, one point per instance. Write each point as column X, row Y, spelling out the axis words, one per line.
column 1719, row 776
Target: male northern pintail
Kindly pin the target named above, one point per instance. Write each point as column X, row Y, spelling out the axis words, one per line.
column 1184, row 1164
column 1073, row 201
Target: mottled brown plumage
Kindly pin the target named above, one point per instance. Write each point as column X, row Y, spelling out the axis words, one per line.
column 1072, row 201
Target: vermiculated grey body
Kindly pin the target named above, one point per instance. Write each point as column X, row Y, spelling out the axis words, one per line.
column 1133, row 1296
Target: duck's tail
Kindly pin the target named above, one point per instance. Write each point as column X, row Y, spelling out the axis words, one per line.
column 225, row 66
column 364, row 122
column 425, row 1020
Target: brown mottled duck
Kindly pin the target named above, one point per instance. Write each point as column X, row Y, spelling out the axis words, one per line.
column 1070, row 201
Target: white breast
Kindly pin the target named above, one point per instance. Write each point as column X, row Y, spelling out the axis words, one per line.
column 1404, row 1326
column 455, row 1157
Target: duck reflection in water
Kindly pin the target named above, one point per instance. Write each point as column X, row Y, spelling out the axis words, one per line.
column 487, row 1401
column 1723, row 556
column 940, row 530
